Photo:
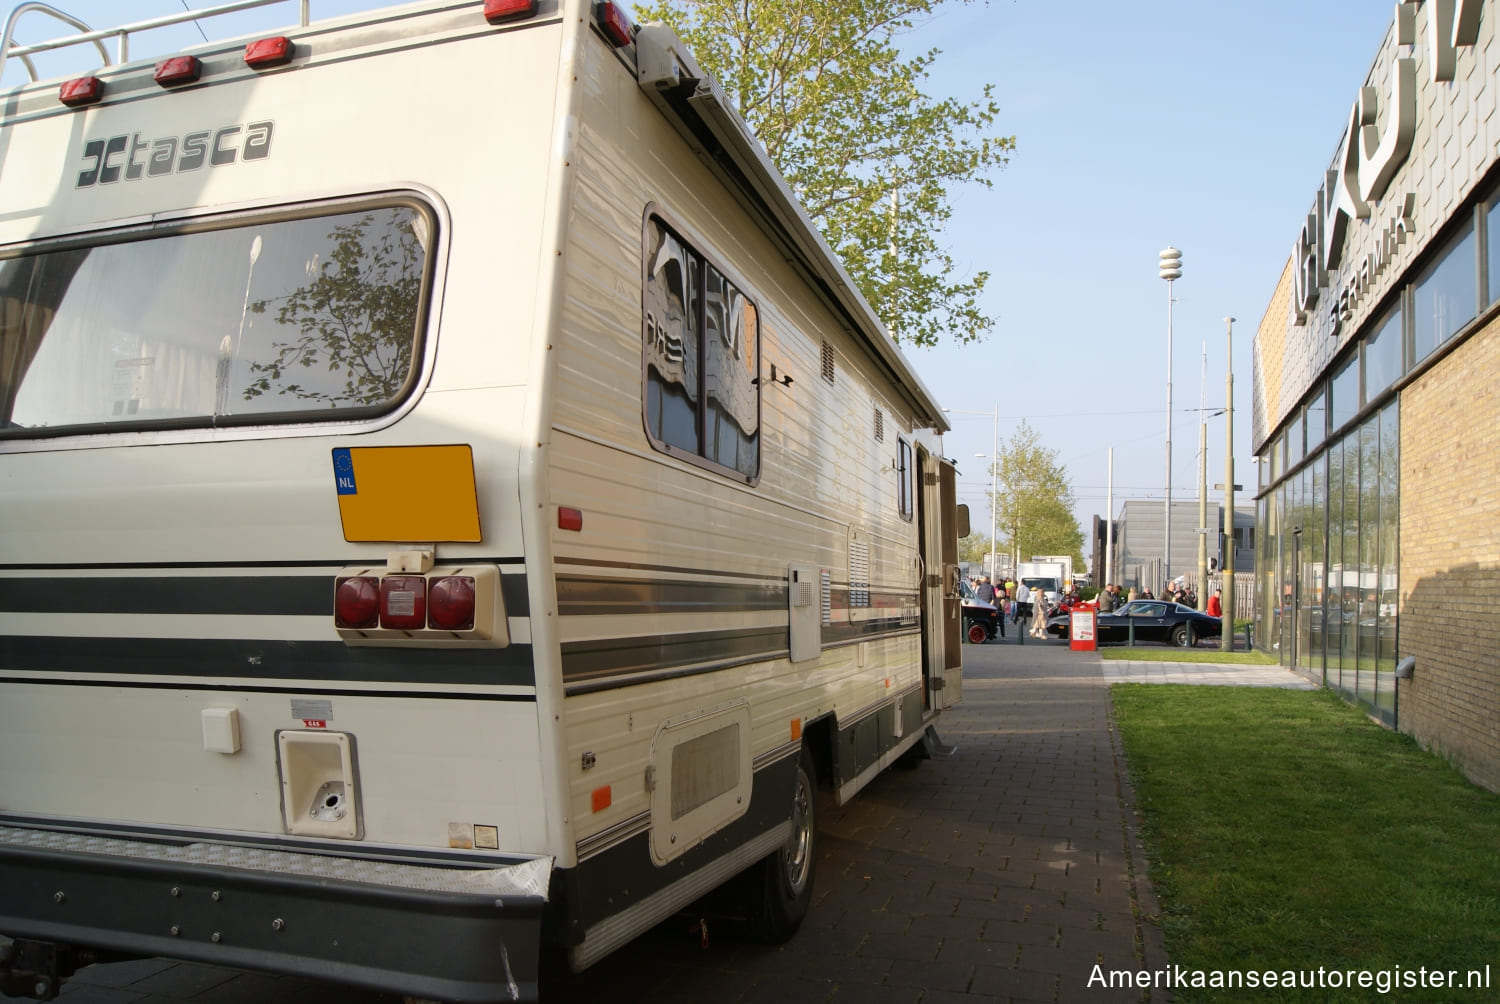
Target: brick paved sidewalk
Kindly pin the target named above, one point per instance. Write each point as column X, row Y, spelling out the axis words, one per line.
column 1004, row 873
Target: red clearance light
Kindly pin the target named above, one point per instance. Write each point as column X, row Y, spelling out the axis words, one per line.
column 499, row 11
column 82, row 91
column 403, row 602
column 266, row 52
column 450, row 603
column 616, row 25
column 356, row 602
column 178, row 70
column 569, row 519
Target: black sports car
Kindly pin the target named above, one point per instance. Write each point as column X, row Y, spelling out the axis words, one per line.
column 981, row 620
column 1150, row 620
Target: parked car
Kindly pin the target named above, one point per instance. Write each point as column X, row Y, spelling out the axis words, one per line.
column 1151, row 620
column 981, row 620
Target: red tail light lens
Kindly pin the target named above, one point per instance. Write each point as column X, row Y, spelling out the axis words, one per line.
column 356, row 602
column 498, row 11
column 450, row 603
column 617, row 27
column 178, row 70
column 81, row 91
column 266, row 52
column 403, row 602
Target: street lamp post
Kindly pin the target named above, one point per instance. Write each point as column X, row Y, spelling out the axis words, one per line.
column 1170, row 260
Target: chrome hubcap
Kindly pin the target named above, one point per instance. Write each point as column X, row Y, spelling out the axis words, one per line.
column 797, row 857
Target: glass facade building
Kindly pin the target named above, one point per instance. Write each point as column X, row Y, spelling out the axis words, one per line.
column 1374, row 398
column 1328, row 562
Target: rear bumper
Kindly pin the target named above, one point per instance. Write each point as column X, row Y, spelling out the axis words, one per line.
column 434, row 930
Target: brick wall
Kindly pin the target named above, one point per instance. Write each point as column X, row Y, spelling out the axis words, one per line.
column 1268, row 349
column 1450, row 558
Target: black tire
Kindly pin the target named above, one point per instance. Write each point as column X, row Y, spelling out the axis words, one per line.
column 1180, row 636
column 976, row 633
column 784, row 887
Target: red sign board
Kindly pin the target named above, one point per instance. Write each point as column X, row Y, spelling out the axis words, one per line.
column 1083, row 631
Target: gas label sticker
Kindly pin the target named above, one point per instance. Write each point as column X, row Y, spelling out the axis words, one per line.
column 312, row 710
column 343, row 472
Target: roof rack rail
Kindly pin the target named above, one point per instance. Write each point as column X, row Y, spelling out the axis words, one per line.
column 121, row 34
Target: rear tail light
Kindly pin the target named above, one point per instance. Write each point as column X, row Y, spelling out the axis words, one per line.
column 450, row 603
column 178, row 70
column 356, row 602
column 499, row 11
column 81, row 91
column 267, row 52
column 403, row 602
column 407, row 604
column 616, row 25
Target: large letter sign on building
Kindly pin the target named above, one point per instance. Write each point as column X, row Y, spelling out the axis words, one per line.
column 1368, row 160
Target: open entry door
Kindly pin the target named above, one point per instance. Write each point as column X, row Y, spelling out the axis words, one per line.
column 942, row 522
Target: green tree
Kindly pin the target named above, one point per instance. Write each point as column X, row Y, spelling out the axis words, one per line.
column 1035, row 508
column 974, row 548
column 843, row 114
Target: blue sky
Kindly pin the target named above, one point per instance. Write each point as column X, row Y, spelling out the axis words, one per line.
column 1202, row 124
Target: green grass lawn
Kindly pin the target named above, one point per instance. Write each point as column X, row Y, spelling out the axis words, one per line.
column 1286, row 831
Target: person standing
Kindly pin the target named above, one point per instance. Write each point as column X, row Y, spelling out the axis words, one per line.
column 1215, row 605
column 1040, row 613
column 985, row 591
column 1107, row 599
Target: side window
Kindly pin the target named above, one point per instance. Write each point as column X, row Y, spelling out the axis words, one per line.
column 700, row 342
column 904, row 479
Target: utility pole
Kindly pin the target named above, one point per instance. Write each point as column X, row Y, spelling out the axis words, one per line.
column 1202, row 488
column 1109, row 525
column 1226, row 630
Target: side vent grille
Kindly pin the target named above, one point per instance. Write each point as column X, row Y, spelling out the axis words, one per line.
column 859, row 574
column 828, row 362
column 879, row 426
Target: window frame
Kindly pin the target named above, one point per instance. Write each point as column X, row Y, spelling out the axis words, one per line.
column 693, row 245
column 1445, row 262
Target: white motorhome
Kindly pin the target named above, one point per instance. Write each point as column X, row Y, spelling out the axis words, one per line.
column 451, row 501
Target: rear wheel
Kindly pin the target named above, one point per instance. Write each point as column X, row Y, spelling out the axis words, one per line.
column 977, row 633
column 1180, row 636
column 784, row 886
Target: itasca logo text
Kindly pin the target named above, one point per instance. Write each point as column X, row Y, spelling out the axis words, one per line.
column 131, row 157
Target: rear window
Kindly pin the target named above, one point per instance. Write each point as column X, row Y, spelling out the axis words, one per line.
column 289, row 318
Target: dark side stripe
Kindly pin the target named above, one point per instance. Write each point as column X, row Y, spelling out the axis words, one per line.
column 253, row 595
column 577, row 595
column 604, row 664
column 212, row 658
